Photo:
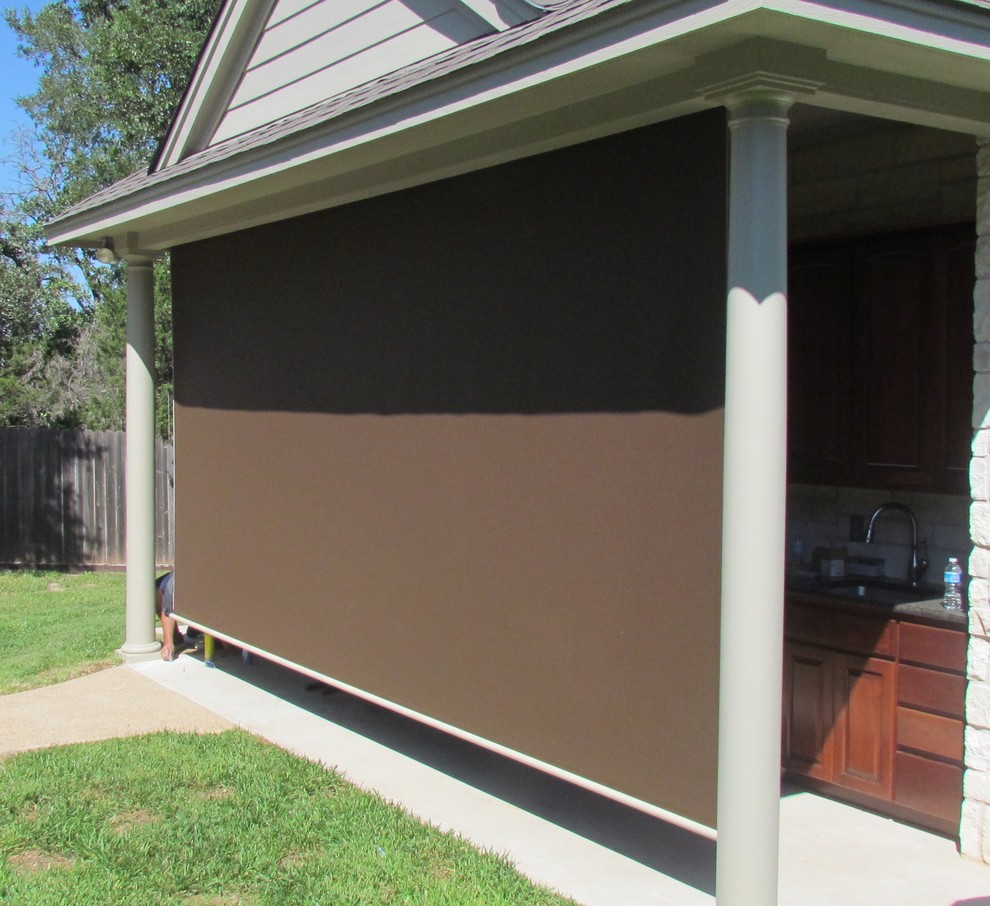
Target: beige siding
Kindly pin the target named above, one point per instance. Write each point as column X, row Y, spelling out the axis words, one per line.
column 313, row 51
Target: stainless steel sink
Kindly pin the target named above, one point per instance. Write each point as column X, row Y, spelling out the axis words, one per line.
column 877, row 591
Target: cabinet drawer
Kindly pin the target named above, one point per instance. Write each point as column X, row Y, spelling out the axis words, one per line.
column 933, row 646
column 930, row 733
column 840, row 630
column 931, row 690
column 928, row 786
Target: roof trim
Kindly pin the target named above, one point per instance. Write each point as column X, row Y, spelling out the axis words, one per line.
column 222, row 60
column 582, row 70
column 491, row 11
column 237, row 28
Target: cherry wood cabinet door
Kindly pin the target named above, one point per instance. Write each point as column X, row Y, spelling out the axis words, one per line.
column 894, row 356
column 880, row 371
column 807, row 712
column 864, row 702
column 818, row 389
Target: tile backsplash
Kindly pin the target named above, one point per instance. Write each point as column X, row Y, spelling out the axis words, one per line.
column 822, row 516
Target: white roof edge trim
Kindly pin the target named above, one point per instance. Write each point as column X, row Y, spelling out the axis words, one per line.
column 223, row 59
column 366, row 125
column 503, row 14
column 947, row 10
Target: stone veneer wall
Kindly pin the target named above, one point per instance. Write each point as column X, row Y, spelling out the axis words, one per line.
column 975, row 828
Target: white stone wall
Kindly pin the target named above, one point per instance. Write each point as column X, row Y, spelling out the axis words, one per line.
column 975, row 828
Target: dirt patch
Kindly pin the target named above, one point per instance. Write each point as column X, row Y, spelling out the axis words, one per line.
column 215, row 794
column 292, row 860
column 226, row 899
column 127, row 821
column 30, row 812
column 34, row 860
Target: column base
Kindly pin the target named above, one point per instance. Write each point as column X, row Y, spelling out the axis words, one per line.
column 133, row 654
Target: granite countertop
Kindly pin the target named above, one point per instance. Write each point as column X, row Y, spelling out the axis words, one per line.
column 882, row 597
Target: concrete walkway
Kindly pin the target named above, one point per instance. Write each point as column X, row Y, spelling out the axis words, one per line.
column 587, row 847
column 104, row 705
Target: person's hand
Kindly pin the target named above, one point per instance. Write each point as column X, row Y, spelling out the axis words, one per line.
column 168, row 652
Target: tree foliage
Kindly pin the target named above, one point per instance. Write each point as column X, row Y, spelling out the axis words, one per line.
column 111, row 74
column 37, row 327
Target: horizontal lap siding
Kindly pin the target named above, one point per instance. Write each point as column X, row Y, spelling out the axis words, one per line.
column 462, row 451
column 331, row 47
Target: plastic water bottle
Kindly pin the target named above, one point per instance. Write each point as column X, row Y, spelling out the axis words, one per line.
column 952, row 599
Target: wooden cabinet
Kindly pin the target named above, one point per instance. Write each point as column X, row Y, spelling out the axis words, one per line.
column 931, row 699
column 880, row 353
column 863, row 728
column 819, row 333
column 839, row 704
column 873, row 710
column 809, row 711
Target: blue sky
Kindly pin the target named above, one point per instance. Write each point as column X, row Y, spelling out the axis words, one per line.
column 17, row 77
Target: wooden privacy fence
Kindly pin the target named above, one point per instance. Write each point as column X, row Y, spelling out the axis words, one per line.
column 62, row 499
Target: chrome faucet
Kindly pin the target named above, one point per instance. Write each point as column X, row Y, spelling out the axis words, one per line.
column 919, row 563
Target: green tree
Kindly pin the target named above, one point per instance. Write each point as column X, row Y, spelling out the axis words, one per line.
column 38, row 329
column 112, row 72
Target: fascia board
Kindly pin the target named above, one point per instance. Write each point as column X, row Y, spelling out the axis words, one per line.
column 957, row 29
column 224, row 56
column 409, row 111
column 672, row 38
column 228, row 49
column 502, row 14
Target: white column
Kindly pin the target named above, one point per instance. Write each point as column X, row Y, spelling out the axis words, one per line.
column 754, row 505
column 140, row 643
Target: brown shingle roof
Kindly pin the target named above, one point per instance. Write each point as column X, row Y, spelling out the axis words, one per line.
column 559, row 15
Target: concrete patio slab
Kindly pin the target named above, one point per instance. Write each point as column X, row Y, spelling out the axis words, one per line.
column 590, row 848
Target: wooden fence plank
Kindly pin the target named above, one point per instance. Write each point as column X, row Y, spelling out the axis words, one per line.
column 98, row 532
column 115, row 497
column 164, row 482
column 28, row 504
column 62, row 500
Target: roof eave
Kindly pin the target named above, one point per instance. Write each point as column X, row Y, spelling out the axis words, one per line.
column 642, row 63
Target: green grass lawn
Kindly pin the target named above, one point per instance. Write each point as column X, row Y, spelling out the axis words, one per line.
column 54, row 626
column 217, row 820
column 223, row 819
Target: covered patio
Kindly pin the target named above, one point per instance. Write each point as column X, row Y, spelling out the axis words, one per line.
column 715, row 85
column 588, row 847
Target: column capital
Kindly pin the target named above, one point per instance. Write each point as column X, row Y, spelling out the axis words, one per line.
column 126, row 248
column 759, row 103
column 759, row 95
column 761, row 71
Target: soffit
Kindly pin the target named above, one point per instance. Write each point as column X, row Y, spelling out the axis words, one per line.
column 642, row 63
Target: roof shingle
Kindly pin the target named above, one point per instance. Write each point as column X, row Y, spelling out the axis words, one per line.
column 559, row 15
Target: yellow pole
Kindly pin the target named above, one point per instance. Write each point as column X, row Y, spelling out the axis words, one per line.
column 208, row 650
